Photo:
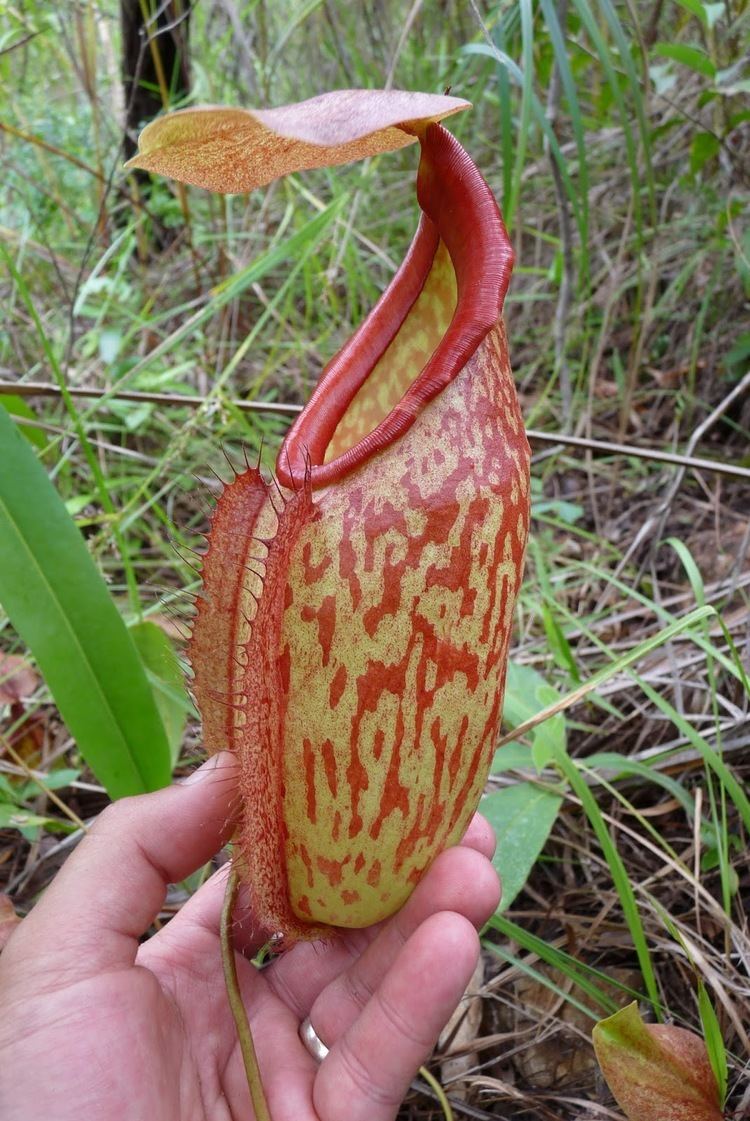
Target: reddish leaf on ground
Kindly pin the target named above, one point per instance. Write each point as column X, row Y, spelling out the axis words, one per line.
column 234, row 150
column 657, row 1072
column 17, row 679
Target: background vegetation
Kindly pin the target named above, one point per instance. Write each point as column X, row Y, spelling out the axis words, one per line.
column 617, row 138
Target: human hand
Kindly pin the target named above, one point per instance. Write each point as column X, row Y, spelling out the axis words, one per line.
column 94, row 1025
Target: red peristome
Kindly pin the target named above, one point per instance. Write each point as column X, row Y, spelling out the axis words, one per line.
column 459, row 209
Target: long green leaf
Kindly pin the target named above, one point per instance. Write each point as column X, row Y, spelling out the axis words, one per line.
column 167, row 680
column 49, row 349
column 16, row 406
column 59, row 604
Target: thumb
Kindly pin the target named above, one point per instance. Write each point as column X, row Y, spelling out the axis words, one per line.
column 113, row 886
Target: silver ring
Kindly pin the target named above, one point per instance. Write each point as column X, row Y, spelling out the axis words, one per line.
column 312, row 1041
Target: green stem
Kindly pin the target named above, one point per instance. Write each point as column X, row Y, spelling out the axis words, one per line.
column 257, row 1096
column 438, row 1091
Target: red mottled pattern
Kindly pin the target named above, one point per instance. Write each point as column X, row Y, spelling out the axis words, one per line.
column 367, row 688
column 408, row 633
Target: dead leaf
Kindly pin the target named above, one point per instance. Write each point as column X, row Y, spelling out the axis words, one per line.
column 561, row 1054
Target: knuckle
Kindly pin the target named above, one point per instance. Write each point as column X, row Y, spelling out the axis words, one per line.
column 401, row 1023
column 357, row 988
column 363, row 1079
column 113, row 816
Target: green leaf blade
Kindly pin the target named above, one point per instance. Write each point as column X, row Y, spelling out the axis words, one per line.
column 715, row 1048
column 59, row 604
column 693, row 57
column 522, row 816
column 17, row 406
column 165, row 673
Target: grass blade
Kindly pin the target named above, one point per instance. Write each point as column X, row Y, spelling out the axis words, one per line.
column 581, row 973
column 560, row 48
column 714, row 1041
column 604, row 674
column 619, row 873
column 506, row 64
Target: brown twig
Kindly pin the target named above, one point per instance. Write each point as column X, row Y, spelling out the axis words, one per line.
column 601, row 447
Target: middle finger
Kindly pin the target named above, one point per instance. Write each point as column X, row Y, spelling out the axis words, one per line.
column 331, row 983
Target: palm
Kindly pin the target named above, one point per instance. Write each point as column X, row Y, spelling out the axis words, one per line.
column 190, row 1006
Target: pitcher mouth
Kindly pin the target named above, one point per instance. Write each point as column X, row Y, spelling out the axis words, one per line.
column 459, row 213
